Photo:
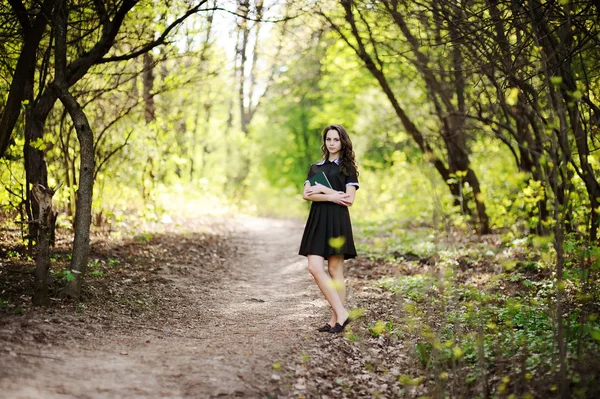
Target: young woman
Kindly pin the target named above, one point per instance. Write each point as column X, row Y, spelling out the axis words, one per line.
column 328, row 231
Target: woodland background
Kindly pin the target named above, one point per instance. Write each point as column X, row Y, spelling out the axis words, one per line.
column 475, row 125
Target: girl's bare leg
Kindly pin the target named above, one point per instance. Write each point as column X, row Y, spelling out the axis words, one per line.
column 335, row 265
column 315, row 267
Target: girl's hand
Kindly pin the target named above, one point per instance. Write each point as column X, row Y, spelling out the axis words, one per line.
column 312, row 190
column 340, row 198
column 316, row 189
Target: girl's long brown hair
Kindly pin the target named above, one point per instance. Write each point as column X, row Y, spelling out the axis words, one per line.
column 347, row 161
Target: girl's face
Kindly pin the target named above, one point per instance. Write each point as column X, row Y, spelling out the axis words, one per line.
column 333, row 142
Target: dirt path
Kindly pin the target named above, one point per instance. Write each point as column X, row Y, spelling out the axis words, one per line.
column 220, row 339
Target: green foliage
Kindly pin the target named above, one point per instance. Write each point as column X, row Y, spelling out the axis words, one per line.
column 193, row 142
column 143, row 238
column 451, row 316
column 97, row 267
column 380, row 328
column 392, row 239
column 416, row 287
column 66, row 275
column 423, row 353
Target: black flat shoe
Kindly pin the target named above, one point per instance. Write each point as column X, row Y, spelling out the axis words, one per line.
column 325, row 328
column 339, row 328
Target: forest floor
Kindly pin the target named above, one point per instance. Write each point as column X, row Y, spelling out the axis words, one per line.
column 210, row 307
column 215, row 307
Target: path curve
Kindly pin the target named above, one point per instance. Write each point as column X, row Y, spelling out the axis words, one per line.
column 254, row 317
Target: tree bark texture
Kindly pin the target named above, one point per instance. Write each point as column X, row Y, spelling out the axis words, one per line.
column 36, row 170
column 242, row 48
column 32, row 34
column 43, row 196
column 148, row 83
column 85, row 136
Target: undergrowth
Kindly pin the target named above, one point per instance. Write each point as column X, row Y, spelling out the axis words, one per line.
column 480, row 315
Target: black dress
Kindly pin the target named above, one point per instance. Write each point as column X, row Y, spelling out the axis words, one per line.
column 328, row 220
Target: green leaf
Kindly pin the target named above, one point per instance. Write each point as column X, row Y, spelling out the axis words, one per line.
column 378, row 328
column 337, row 242
column 513, row 96
column 423, row 352
column 556, row 80
column 569, row 246
column 458, row 352
column 407, row 380
column 69, row 276
column 38, row 144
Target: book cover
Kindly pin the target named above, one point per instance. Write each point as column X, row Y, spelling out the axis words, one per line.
column 320, row 178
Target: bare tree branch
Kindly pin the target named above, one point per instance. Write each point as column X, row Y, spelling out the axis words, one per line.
column 161, row 39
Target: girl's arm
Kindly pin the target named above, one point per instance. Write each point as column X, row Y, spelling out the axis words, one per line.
column 316, row 189
column 351, row 193
column 321, row 193
column 325, row 189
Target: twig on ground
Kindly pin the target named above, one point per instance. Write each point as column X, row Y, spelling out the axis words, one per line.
column 34, row 355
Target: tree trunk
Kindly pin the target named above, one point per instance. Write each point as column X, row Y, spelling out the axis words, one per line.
column 83, row 216
column 452, row 117
column 558, row 60
column 242, row 48
column 378, row 74
column 33, row 33
column 591, row 184
column 563, row 382
column 36, row 169
column 246, row 86
column 64, row 136
column 43, row 196
column 22, row 89
column 148, row 82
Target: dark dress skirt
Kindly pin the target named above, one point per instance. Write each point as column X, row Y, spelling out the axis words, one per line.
column 328, row 220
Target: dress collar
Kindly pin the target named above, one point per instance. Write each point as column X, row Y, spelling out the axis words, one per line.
column 322, row 162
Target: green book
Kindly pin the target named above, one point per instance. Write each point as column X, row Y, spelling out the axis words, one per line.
column 320, row 178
